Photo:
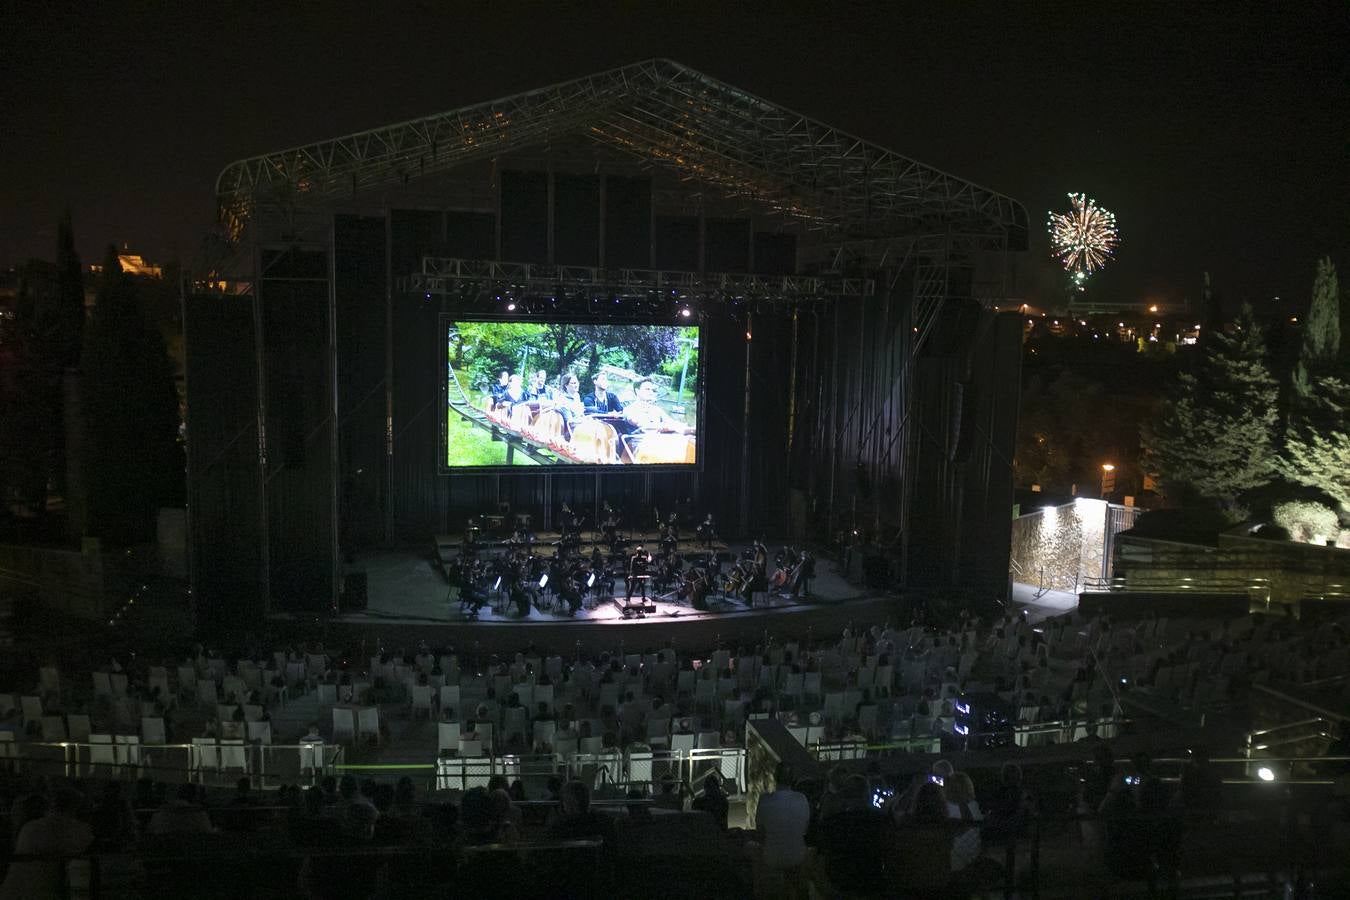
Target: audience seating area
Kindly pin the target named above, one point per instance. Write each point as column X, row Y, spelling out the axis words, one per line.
column 642, row 731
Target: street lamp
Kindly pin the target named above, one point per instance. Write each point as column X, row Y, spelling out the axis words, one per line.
column 1108, row 479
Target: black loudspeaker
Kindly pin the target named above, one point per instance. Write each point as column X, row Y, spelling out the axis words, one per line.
column 354, row 593
column 963, row 421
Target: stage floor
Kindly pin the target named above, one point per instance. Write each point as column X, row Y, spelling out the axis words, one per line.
column 409, row 588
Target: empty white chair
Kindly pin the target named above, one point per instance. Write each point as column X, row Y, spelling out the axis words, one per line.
column 564, row 748
column 515, row 723
column 328, row 695
column 867, row 719
column 32, row 709
column 128, row 748
column 798, row 732
column 368, row 722
column 102, row 684
column 205, row 755
column 259, row 732
column 470, row 749
column 543, row 734
column 206, row 692
column 233, row 756
column 422, row 699
column 448, row 698
column 101, row 751
column 344, row 725
column 682, row 743
column 152, row 730
column 252, row 712
column 49, row 679
column 592, row 746
column 311, row 757
column 447, row 737
column 53, row 729
column 78, row 727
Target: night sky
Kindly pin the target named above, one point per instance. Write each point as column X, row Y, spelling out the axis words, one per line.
column 1219, row 134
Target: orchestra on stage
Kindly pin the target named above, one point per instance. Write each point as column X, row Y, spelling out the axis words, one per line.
column 561, row 577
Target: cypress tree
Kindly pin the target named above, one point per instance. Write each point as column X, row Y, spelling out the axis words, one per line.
column 1215, row 437
column 1322, row 328
column 133, row 463
column 1317, row 438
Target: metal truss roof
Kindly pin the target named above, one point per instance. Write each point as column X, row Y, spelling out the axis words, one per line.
column 668, row 115
column 441, row 275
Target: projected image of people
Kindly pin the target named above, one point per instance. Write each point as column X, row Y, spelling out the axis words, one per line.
column 556, row 393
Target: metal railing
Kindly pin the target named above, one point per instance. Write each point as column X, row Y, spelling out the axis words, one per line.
column 617, row 770
column 1022, row 734
column 218, row 764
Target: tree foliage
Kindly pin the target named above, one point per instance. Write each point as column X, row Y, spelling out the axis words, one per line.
column 133, row 462
column 1317, row 441
column 1322, row 326
column 480, row 350
column 1215, row 436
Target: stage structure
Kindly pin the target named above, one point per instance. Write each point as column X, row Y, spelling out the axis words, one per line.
column 852, row 376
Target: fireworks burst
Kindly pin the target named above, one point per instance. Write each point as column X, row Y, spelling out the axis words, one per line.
column 1084, row 238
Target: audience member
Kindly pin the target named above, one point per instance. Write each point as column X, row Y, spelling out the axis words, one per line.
column 578, row 821
column 713, row 800
column 58, row 831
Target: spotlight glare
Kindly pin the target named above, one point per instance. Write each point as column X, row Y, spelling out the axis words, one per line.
column 510, row 307
column 1265, row 773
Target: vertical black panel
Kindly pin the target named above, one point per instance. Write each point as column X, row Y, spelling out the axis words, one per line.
column 775, row 254
column 417, row 493
column 525, row 216
column 677, row 243
column 576, row 220
column 359, row 269
column 728, row 245
column 470, row 235
column 296, row 362
column 628, row 222
column 223, row 491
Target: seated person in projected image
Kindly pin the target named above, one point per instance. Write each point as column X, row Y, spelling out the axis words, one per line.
column 600, row 401
column 643, row 413
column 569, row 402
column 515, row 391
column 501, row 387
column 539, row 389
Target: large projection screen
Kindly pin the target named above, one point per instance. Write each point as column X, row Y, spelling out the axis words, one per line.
column 560, row 393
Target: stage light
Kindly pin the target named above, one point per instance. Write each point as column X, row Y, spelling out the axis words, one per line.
column 1265, row 773
column 686, row 312
column 510, row 307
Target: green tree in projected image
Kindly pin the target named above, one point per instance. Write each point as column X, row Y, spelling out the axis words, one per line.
column 478, row 351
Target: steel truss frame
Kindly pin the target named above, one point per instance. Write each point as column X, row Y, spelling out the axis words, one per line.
column 444, row 275
column 665, row 114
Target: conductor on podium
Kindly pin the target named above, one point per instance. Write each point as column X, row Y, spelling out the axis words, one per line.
column 639, row 572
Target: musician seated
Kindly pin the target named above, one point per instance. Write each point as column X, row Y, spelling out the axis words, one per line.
column 600, row 401
column 643, row 412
